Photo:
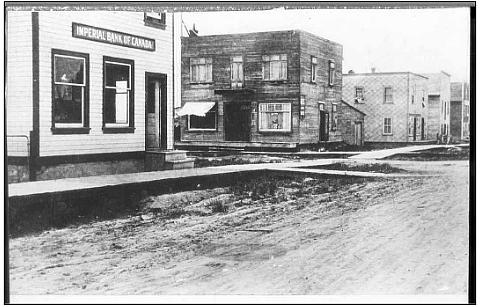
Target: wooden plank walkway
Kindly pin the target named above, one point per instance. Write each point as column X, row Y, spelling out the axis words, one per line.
column 37, row 188
column 381, row 154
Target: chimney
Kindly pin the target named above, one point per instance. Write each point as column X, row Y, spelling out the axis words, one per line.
column 373, row 70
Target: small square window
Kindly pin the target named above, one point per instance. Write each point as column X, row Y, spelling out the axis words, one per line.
column 156, row 20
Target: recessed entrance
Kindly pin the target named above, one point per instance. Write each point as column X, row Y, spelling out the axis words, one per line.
column 323, row 126
column 155, row 111
column 237, row 121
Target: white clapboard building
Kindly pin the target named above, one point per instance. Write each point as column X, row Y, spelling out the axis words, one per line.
column 89, row 93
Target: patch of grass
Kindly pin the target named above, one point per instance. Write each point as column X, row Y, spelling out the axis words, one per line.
column 375, row 167
column 218, row 206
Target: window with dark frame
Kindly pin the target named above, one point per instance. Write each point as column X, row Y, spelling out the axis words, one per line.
column 274, row 67
column 331, row 72
column 70, row 89
column 207, row 122
column 314, row 69
column 118, row 93
column 388, row 95
column 200, row 70
column 156, row 20
column 387, row 125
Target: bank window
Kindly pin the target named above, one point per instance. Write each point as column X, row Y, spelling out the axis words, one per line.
column 275, row 117
column 388, row 95
column 207, row 122
column 274, row 67
column 69, row 89
column 236, row 71
column 314, row 69
column 118, row 93
column 200, row 70
column 387, row 125
column 331, row 72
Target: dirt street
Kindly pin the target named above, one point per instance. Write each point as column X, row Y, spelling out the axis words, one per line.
column 388, row 236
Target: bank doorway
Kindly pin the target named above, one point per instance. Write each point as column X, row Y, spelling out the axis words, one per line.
column 155, row 111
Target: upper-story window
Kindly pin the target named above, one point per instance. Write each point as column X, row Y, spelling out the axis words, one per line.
column 388, row 95
column 359, row 94
column 156, row 20
column 200, row 70
column 118, row 94
column 69, row 89
column 236, row 71
column 275, row 67
column 314, row 69
column 331, row 72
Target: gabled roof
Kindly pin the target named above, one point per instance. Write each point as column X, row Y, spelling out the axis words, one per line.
column 343, row 101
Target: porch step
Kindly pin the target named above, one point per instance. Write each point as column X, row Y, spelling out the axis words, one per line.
column 179, row 164
column 156, row 160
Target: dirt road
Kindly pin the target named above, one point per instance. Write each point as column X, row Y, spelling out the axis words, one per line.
column 395, row 236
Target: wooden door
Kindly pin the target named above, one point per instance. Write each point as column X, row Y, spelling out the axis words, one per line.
column 237, row 121
column 155, row 111
column 358, row 134
column 323, row 126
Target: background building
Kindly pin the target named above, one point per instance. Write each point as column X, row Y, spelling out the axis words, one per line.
column 88, row 92
column 394, row 104
column 438, row 104
column 266, row 89
column 460, row 110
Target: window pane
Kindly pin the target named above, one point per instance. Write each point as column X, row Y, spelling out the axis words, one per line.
column 206, row 122
column 69, row 70
column 116, row 106
column 68, row 102
column 115, row 72
column 275, row 70
column 266, row 71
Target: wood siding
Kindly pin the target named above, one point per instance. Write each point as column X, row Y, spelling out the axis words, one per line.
column 18, row 87
column 56, row 32
column 252, row 47
column 320, row 91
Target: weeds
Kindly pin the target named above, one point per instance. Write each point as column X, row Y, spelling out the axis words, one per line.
column 218, row 206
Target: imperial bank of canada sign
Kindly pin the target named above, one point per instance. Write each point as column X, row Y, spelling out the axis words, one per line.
column 112, row 37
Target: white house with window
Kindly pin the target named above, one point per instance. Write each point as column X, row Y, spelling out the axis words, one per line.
column 90, row 88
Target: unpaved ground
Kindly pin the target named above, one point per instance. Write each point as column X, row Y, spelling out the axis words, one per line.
column 402, row 236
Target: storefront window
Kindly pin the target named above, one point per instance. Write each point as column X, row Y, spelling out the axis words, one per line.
column 70, row 89
column 118, row 93
column 207, row 122
column 275, row 116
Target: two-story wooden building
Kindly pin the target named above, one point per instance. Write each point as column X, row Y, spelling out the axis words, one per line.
column 88, row 93
column 269, row 89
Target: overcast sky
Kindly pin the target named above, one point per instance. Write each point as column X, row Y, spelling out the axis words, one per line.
column 418, row 40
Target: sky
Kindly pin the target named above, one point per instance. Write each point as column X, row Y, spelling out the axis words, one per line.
column 417, row 40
